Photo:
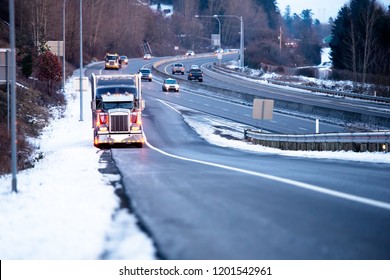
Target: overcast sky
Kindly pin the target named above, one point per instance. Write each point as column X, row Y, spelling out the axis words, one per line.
column 322, row 10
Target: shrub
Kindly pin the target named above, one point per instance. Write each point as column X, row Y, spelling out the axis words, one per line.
column 49, row 69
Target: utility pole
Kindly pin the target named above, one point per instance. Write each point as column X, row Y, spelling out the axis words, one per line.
column 63, row 46
column 12, row 77
column 280, row 39
column 81, row 60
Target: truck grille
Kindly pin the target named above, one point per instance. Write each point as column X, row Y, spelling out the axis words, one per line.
column 119, row 123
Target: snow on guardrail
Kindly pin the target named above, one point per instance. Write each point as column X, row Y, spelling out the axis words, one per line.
column 358, row 142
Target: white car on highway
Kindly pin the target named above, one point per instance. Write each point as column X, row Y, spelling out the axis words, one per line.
column 170, row 84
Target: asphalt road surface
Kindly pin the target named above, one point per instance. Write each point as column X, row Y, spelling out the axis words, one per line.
column 201, row 201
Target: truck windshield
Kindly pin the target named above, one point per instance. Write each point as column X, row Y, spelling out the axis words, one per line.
column 111, row 57
column 118, row 105
column 111, row 90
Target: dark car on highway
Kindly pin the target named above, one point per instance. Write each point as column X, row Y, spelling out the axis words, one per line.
column 195, row 74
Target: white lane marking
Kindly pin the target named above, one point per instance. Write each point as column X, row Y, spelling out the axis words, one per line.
column 302, row 128
column 247, row 115
column 346, row 196
column 206, row 105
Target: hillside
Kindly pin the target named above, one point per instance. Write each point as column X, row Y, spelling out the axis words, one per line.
column 30, row 119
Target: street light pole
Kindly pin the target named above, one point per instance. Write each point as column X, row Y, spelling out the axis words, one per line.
column 81, row 60
column 241, row 36
column 219, row 30
column 12, row 77
column 63, row 46
column 242, row 43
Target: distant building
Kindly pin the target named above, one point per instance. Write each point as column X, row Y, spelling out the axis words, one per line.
column 291, row 43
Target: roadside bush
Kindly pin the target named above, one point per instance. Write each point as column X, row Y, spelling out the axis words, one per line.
column 49, row 70
column 33, row 114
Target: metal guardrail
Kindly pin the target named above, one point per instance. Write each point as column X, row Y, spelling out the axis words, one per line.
column 313, row 89
column 247, row 98
column 334, row 92
column 358, row 142
column 180, row 57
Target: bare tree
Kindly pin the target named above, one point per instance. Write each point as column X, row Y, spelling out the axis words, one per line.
column 33, row 16
column 188, row 9
column 350, row 53
column 369, row 18
column 94, row 18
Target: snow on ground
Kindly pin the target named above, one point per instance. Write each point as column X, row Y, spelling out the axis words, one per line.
column 209, row 128
column 166, row 9
column 325, row 55
column 66, row 208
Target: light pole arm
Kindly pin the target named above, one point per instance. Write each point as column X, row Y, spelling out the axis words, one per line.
column 219, row 26
column 219, row 30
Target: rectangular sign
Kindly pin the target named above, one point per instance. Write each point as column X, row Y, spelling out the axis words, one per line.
column 215, row 40
column 263, row 109
column 4, row 64
column 56, row 47
column 76, row 83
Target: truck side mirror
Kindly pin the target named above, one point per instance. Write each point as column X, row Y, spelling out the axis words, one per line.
column 93, row 105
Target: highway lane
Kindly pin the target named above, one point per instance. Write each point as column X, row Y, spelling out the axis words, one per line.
column 200, row 201
column 230, row 204
column 221, row 106
column 284, row 93
column 282, row 123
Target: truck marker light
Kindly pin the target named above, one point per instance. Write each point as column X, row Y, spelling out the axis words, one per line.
column 139, row 121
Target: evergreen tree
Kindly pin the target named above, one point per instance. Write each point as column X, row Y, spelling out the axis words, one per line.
column 360, row 39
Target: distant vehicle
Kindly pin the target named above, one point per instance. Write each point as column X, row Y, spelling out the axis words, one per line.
column 194, row 66
column 123, row 59
column 178, row 68
column 190, row 53
column 147, row 56
column 112, row 61
column 146, row 74
column 220, row 50
column 170, row 84
column 195, row 74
